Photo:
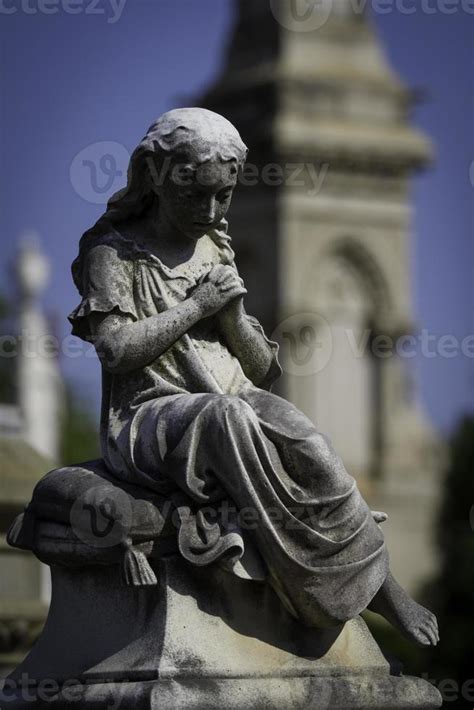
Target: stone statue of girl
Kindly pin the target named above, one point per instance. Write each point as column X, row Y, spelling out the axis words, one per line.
column 187, row 409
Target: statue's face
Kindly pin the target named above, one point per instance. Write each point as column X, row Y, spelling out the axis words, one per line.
column 196, row 201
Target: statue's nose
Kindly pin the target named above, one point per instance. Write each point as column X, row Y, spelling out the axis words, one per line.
column 208, row 214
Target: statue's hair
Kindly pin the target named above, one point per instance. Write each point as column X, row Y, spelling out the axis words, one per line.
column 193, row 135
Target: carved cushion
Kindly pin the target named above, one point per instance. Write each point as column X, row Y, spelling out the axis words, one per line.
column 82, row 515
column 62, row 494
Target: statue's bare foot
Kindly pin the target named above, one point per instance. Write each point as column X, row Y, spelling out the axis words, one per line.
column 413, row 620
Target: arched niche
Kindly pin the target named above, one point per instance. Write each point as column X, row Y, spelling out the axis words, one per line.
column 350, row 293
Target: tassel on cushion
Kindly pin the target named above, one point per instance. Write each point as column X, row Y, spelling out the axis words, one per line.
column 379, row 517
column 14, row 533
column 135, row 568
column 22, row 531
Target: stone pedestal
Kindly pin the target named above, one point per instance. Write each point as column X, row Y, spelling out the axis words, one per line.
column 201, row 640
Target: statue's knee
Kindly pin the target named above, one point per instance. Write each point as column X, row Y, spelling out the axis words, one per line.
column 323, row 451
column 229, row 410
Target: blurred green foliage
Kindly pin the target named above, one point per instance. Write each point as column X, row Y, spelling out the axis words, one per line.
column 453, row 592
column 79, row 436
column 450, row 666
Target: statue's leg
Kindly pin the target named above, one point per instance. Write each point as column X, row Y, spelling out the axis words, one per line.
column 306, row 451
column 391, row 601
column 326, row 555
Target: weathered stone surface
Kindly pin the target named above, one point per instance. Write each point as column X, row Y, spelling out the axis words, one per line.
column 204, row 640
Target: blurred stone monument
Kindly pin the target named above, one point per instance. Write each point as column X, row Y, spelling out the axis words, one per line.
column 323, row 234
column 29, row 445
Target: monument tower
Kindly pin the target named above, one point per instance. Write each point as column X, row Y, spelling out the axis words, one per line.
column 322, row 227
column 30, row 427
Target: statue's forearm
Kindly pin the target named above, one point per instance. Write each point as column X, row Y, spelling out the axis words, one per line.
column 123, row 347
column 249, row 346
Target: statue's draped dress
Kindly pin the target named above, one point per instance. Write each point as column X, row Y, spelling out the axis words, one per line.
column 242, row 466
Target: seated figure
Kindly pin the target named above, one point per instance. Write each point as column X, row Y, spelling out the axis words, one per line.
column 193, row 440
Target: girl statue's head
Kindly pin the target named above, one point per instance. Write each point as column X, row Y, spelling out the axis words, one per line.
column 187, row 164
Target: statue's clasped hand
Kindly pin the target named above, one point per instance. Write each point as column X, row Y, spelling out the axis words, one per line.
column 218, row 289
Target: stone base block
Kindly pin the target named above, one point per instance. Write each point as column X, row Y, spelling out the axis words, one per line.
column 299, row 693
column 201, row 640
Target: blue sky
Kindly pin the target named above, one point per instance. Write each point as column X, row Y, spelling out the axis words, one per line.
column 70, row 81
